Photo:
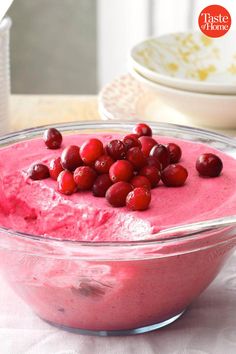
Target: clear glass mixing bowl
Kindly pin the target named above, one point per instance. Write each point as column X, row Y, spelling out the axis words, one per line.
column 117, row 288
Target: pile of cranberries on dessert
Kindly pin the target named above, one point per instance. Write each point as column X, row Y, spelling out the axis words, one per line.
column 122, row 170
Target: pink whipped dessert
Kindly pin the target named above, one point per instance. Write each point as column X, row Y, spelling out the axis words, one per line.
column 112, row 292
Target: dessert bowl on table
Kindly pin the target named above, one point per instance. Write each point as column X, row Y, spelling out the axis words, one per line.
column 85, row 265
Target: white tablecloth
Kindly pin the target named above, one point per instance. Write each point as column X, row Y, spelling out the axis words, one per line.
column 209, row 326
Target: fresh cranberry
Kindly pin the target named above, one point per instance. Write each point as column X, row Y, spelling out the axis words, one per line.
column 70, row 158
column 116, row 149
column 131, row 140
column 38, row 171
column 101, row 185
column 121, row 170
column 136, row 157
column 52, row 138
column 152, row 161
column 103, row 164
column 138, row 199
column 142, row 129
column 117, row 193
column 91, row 150
column 55, row 168
column 140, row 181
column 84, row 177
column 147, row 143
column 162, row 154
column 66, row 183
column 174, row 175
column 152, row 173
column 209, row 165
column 175, row 152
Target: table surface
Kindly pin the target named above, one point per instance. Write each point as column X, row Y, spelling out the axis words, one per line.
column 28, row 111
column 208, row 326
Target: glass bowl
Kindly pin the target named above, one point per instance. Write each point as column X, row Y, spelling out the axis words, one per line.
column 117, row 288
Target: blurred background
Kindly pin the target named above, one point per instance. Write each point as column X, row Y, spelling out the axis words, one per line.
column 77, row 46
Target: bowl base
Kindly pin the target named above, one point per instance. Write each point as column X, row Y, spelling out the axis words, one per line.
column 127, row 332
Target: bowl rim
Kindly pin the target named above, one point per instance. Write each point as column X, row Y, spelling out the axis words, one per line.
column 165, row 79
column 180, row 232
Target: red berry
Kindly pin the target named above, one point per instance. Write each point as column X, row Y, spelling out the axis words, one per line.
column 116, row 149
column 147, row 144
column 121, row 170
column 66, row 183
column 70, row 158
column 38, row 171
column 136, row 157
column 162, row 154
column 175, row 152
column 140, row 181
column 138, row 199
column 55, row 168
column 152, row 161
column 152, row 173
column 84, row 177
column 91, row 150
column 131, row 140
column 52, row 138
column 103, row 164
column 117, row 193
column 142, row 129
column 209, row 165
column 101, row 185
column 174, row 175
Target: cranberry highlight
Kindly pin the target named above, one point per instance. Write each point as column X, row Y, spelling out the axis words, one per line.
column 55, row 168
column 84, row 177
column 152, row 161
column 140, row 181
column 91, row 150
column 103, row 164
column 142, row 129
column 121, row 170
column 70, row 158
column 209, row 165
column 131, row 140
column 147, row 143
column 174, row 175
column 161, row 153
column 38, row 171
column 116, row 149
column 117, row 193
column 175, row 152
column 152, row 173
column 52, row 138
column 138, row 199
column 136, row 157
column 66, row 183
column 101, row 185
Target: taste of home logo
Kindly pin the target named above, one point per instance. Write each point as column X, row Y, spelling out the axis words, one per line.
column 214, row 21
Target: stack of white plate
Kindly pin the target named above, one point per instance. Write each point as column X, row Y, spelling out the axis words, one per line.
column 192, row 73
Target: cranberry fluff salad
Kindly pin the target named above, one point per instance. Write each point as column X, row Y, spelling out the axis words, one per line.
column 112, row 188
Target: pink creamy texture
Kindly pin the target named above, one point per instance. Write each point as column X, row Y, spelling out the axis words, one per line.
column 36, row 207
